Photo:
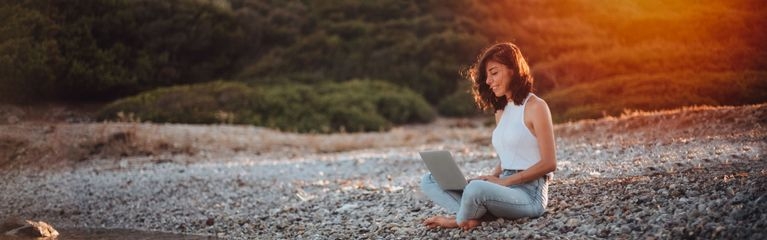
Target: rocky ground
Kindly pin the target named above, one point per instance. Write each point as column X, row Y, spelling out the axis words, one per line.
column 689, row 173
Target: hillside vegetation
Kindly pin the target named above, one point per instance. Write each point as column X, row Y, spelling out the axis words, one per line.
column 589, row 58
column 359, row 105
column 594, row 58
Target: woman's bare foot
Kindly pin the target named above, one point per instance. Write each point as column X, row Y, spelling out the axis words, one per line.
column 469, row 224
column 449, row 222
column 440, row 221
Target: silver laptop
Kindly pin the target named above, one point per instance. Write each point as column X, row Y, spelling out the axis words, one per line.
column 444, row 169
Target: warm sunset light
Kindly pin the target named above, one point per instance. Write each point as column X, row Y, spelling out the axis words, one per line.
column 635, row 54
column 383, row 119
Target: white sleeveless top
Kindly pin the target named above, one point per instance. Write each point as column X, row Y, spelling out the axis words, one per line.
column 515, row 144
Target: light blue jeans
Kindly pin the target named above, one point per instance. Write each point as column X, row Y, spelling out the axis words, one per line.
column 480, row 197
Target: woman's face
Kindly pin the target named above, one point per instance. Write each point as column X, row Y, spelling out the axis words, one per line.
column 499, row 78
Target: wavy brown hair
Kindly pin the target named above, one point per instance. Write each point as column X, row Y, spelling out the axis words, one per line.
column 521, row 84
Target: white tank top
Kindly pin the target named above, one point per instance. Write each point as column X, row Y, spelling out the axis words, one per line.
column 515, row 144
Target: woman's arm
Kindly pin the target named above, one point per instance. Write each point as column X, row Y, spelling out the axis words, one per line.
column 543, row 129
column 497, row 170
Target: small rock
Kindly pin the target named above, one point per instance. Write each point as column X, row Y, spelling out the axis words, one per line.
column 34, row 229
column 494, row 224
column 392, row 225
column 405, row 230
column 572, row 222
column 625, row 229
column 347, row 207
column 701, row 207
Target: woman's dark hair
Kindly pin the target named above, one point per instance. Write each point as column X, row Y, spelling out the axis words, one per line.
column 521, row 83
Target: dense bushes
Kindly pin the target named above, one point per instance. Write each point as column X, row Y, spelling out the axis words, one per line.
column 659, row 91
column 578, row 49
column 421, row 44
column 102, row 50
column 459, row 104
column 595, row 58
column 358, row 105
column 26, row 48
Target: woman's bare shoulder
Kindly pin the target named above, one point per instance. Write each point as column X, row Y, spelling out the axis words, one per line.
column 536, row 102
column 538, row 108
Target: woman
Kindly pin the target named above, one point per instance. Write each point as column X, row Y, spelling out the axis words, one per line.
column 523, row 138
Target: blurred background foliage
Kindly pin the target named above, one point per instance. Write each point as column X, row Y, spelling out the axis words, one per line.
column 356, row 105
column 296, row 65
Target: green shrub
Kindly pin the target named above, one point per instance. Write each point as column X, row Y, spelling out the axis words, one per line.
column 459, row 104
column 396, row 104
column 651, row 92
column 202, row 103
column 411, row 44
column 102, row 50
column 25, row 41
column 354, row 106
column 98, row 50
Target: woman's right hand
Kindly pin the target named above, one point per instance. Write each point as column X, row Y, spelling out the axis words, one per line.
column 488, row 178
column 485, row 177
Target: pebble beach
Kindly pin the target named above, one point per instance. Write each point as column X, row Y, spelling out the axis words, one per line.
column 688, row 173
